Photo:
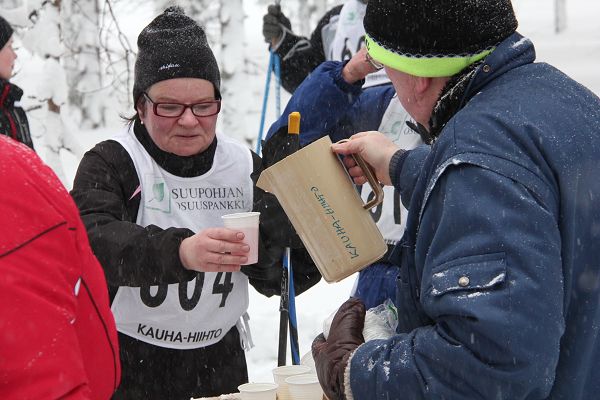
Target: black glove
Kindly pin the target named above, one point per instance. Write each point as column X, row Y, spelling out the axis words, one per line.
column 331, row 355
column 274, row 22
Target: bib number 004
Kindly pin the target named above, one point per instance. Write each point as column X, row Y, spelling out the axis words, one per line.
column 222, row 285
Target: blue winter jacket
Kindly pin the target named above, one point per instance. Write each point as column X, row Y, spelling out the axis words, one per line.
column 330, row 106
column 499, row 291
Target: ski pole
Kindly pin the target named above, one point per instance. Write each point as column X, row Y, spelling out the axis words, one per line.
column 293, row 145
column 294, row 346
column 283, row 319
column 272, row 55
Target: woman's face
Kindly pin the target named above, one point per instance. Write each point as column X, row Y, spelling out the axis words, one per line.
column 186, row 135
column 7, row 60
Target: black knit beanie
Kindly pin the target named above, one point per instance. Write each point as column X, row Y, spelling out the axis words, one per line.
column 173, row 46
column 421, row 36
column 6, row 32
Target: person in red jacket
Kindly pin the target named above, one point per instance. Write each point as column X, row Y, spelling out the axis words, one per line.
column 57, row 334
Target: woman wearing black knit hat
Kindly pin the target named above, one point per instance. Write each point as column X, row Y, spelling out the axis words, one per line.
column 13, row 120
column 498, row 286
column 152, row 200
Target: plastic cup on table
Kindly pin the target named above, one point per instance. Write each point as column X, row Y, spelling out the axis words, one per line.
column 246, row 222
column 308, row 360
column 304, row 387
column 258, row 391
column 283, row 372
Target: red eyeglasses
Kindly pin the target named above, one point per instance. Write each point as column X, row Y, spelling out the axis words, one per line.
column 174, row 110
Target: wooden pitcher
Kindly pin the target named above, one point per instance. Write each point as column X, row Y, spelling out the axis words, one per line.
column 324, row 207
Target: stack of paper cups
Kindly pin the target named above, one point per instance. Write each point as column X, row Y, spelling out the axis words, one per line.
column 281, row 373
column 308, row 360
column 258, row 391
column 304, row 387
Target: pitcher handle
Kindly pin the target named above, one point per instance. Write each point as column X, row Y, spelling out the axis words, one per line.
column 370, row 175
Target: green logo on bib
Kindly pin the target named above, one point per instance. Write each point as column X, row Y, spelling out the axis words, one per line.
column 159, row 191
column 157, row 199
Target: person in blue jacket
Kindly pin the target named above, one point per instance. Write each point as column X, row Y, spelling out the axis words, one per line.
column 333, row 102
column 339, row 104
column 499, row 288
column 343, row 107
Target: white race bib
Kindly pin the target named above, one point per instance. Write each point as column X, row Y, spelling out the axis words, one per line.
column 350, row 38
column 390, row 216
column 198, row 313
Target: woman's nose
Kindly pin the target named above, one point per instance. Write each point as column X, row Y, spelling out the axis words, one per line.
column 188, row 117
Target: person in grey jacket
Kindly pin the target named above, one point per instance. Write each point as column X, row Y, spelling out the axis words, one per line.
column 499, row 281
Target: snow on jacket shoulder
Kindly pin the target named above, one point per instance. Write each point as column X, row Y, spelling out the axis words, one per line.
column 58, row 337
column 496, row 295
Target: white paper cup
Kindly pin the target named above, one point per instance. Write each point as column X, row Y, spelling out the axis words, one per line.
column 246, row 222
column 308, row 360
column 283, row 372
column 258, row 391
column 304, row 387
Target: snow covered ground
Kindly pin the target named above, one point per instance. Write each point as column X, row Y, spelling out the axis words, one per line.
column 575, row 51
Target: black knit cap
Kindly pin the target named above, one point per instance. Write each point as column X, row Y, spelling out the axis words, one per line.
column 173, row 46
column 438, row 28
column 6, row 32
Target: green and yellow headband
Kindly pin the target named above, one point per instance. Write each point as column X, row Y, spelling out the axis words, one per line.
column 430, row 67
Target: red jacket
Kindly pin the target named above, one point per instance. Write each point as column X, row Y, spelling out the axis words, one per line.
column 57, row 333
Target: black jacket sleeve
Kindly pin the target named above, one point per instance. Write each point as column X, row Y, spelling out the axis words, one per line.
column 13, row 120
column 300, row 56
column 130, row 254
column 276, row 232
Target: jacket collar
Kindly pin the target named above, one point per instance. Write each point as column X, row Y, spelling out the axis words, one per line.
column 9, row 93
column 451, row 100
column 186, row 167
column 511, row 53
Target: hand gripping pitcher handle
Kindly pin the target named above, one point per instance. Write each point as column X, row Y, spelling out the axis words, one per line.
column 370, row 175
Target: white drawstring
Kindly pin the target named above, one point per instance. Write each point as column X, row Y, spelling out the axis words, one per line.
column 244, row 330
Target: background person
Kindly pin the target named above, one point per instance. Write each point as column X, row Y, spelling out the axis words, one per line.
column 341, row 108
column 498, row 290
column 353, row 96
column 57, row 333
column 339, row 35
column 13, row 120
column 152, row 201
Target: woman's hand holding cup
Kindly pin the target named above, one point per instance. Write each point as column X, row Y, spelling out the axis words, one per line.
column 214, row 250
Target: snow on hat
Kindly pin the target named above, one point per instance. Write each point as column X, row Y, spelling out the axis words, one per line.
column 173, row 46
column 435, row 38
column 6, row 32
